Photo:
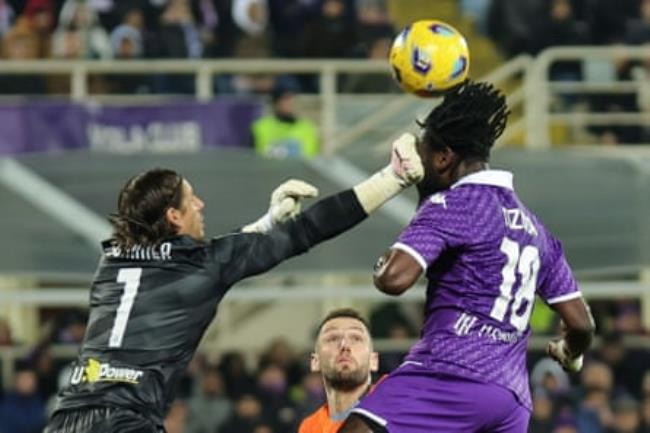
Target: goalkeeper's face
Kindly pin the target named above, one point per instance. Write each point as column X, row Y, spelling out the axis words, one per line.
column 189, row 217
column 344, row 354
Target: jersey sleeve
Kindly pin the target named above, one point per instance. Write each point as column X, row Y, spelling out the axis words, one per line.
column 241, row 255
column 557, row 283
column 440, row 223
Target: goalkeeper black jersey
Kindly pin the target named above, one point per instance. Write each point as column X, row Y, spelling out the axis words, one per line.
column 149, row 307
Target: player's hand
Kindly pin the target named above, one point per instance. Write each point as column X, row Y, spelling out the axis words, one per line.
column 405, row 161
column 286, row 198
column 285, row 204
column 559, row 351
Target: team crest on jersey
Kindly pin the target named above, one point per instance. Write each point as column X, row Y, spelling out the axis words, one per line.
column 439, row 198
column 96, row 371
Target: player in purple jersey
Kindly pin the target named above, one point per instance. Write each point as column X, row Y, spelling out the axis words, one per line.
column 485, row 256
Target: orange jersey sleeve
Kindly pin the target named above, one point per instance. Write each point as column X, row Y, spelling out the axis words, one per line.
column 320, row 422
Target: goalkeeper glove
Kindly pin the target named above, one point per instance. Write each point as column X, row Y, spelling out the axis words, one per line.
column 285, row 204
column 404, row 170
column 559, row 351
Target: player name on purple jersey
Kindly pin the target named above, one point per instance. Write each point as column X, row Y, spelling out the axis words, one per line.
column 486, row 256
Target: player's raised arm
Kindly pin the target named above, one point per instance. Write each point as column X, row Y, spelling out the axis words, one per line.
column 327, row 218
column 395, row 272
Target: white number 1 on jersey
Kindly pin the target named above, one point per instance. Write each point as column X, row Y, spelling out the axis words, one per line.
column 527, row 264
column 131, row 279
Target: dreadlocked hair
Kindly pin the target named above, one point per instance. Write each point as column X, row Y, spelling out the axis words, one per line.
column 141, row 207
column 468, row 121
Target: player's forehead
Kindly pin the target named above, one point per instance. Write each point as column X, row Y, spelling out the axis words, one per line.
column 343, row 324
column 188, row 190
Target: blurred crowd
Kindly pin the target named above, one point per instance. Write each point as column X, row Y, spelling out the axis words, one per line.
column 271, row 392
column 530, row 26
column 191, row 29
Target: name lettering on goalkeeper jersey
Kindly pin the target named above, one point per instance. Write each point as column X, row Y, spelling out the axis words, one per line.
column 516, row 219
column 96, row 371
column 140, row 252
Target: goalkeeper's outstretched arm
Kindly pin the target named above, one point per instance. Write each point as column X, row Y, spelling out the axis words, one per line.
column 260, row 250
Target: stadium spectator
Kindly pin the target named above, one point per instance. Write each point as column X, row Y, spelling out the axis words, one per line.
column 7, row 17
column 565, row 424
column 374, row 25
column 627, row 417
column 159, row 283
column 130, row 40
column 71, row 327
column 219, row 32
column 39, row 19
column 178, row 37
column 79, row 17
column 235, row 374
column 282, row 134
column 637, row 31
column 273, row 393
column 178, row 34
column 560, row 28
column 287, row 21
column 22, row 410
column 131, row 29
column 332, row 34
column 548, row 376
column 251, row 16
column 44, row 367
column 208, row 408
column 541, row 420
column 468, row 370
column 176, row 418
column 248, row 417
column 20, row 43
column 309, row 396
column 279, row 352
column 594, row 411
column 626, row 365
column 608, row 19
column 510, row 24
column 344, row 356
column 5, row 333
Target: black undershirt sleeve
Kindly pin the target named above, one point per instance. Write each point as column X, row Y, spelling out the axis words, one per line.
column 246, row 254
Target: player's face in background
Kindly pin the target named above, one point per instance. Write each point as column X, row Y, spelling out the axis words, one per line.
column 344, row 354
column 189, row 218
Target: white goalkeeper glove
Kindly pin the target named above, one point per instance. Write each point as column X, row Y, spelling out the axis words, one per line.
column 559, row 351
column 285, row 204
column 404, row 170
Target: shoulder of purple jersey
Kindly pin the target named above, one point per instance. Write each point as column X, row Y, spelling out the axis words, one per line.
column 450, row 200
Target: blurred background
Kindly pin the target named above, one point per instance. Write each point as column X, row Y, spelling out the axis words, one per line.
column 240, row 95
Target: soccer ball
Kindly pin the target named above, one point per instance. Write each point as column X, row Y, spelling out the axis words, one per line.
column 429, row 57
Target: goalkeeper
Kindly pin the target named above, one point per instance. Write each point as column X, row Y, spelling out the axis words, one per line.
column 158, row 285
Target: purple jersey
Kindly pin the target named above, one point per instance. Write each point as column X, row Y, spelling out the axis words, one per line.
column 485, row 256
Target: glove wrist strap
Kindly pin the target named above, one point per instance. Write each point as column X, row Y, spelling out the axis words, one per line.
column 262, row 225
column 378, row 189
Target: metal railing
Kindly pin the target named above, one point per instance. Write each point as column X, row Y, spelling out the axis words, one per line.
column 204, row 72
column 540, row 91
column 535, row 98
